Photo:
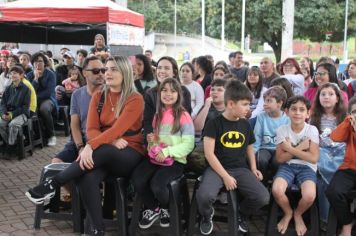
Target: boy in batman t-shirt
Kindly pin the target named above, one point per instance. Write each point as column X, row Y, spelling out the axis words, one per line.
column 228, row 149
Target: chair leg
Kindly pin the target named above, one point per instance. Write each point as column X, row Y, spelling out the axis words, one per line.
column 76, row 210
column 186, row 202
column 66, row 123
column 121, row 206
column 233, row 211
column 332, row 223
column 38, row 216
column 193, row 211
column 175, row 216
column 272, row 219
column 135, row 216
column 314, row 219
column 21, row 144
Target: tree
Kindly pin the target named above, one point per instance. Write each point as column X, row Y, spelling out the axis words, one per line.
column 313, row 18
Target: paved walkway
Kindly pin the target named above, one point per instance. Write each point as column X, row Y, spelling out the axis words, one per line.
column 17, row 212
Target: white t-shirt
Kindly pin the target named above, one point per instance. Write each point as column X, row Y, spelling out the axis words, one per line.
column 309, row 131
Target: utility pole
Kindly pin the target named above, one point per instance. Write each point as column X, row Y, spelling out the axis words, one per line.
column 344, row 60
column 175, row 24
column 242, row 48
column 288, row 28
column 203, row 25
column 222, row 25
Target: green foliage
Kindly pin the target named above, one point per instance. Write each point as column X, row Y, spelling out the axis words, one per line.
column 313, row 18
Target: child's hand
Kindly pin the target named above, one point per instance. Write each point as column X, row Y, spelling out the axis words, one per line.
column 208, row 102
column 286, row 144
column 353, row 121
column 304, row 145
column 120, row 143
column 160, row 157
column 230, row 183
column 258, row 174
column 150, row 138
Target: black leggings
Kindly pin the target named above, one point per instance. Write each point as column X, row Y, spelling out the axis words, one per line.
column 151, row 182
column 107, row 160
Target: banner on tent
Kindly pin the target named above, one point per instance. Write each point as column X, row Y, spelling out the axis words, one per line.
column 125, row 35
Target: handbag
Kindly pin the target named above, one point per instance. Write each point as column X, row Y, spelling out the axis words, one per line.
column 153, row 152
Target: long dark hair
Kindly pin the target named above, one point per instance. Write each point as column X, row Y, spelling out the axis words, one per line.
column 177, row 106
column 284, row 83
column 255, row 70
column 147, row 70
column 174, row 66
column 318, row 110
column 331, row 72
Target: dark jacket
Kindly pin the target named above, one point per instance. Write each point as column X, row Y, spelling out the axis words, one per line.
column 16, row 100
column 45, row 86
column 151, row 104
column 61, row 74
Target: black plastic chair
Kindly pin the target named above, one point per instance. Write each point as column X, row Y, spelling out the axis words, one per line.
column 232, row 215
column 51, row 210
column 310, row 217
column 178, row 196
column 120, row 191
column 63, row 116
column 36, row 132
column 24, row 140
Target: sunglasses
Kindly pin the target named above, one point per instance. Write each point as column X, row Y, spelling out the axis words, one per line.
column 320, row 73
column 96, row 71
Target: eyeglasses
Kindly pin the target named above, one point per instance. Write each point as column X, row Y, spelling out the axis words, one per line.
column 38, row 62
column 96, row 71
column 353, row 112
column 320, row 73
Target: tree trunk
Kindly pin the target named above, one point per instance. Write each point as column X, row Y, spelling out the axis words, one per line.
column 276, row 44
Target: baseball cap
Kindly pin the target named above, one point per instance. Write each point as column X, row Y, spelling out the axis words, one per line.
column 69, row 54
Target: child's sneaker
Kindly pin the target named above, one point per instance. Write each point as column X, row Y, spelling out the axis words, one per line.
column 148, row 218
column 206, row 224
column 243, row 223
column 43, row 191
column 164, row 218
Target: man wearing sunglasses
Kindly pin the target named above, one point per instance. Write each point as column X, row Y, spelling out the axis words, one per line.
column 93, row 71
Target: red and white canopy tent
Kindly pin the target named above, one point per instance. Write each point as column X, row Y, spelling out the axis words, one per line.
column 69, row 22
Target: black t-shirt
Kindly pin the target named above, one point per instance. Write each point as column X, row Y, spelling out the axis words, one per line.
column 231, row 140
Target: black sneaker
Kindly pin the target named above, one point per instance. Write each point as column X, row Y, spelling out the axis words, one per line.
column 148, row 218
column 243, row 223
column 43, row 191
column 206, row 224
column 164, row 218
column 97, row 232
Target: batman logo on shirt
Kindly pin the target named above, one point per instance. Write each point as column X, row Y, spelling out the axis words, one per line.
column 232, row 139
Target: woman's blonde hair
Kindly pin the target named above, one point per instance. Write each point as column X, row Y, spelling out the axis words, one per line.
column 99, row 36
column 127, row 86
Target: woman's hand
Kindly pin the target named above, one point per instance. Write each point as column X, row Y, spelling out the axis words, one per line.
column 150, row 138
column 121, row 143
column 85, row 158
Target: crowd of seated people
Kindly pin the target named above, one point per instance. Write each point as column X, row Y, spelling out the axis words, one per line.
column 292, row 118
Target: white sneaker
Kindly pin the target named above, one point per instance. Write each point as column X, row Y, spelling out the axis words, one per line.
column 52, row 141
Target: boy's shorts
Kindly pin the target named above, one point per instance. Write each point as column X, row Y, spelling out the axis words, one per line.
column 296, row 173
column 69, row 153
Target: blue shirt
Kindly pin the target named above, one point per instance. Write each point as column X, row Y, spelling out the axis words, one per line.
column 80, row 105
column 266, row 130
